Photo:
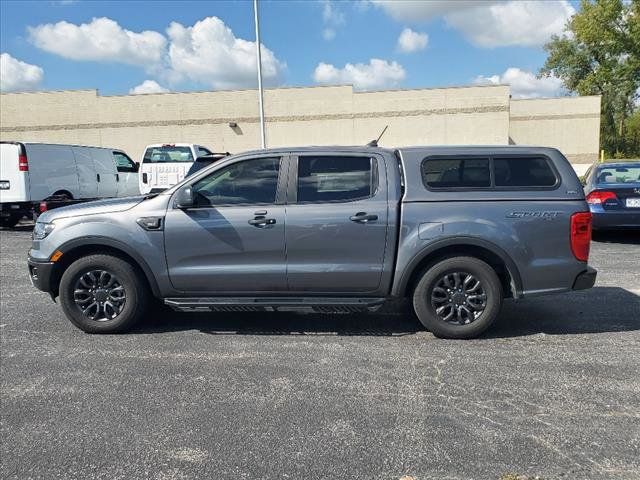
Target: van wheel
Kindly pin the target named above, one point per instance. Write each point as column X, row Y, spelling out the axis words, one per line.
column 459, row 297
column 10, row 221
column 103, row 294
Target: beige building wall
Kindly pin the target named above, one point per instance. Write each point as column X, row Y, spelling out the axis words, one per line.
column 571, row 124
column 329, row 115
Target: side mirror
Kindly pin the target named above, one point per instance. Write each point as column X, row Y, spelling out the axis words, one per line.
column 185, row 198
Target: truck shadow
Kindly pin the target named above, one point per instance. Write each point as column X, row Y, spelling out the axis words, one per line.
column 599, row 310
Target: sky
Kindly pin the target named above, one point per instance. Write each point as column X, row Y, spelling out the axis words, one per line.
column 137, row 47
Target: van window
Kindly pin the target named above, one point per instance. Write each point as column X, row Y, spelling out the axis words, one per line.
column 335, row 178
column 456, row 173
column 124, row 163
column 523, row 172
column 167, row 153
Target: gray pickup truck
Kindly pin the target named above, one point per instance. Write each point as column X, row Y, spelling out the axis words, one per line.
column 330, row 229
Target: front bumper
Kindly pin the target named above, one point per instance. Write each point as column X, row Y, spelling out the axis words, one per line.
column 586, row 279
column 41, row 275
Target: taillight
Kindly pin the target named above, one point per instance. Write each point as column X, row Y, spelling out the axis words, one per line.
column 43, row 207
column 600, row 197
column 581, row 235
column 23, row 163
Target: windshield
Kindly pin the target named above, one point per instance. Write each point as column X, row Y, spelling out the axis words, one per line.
column 626, row 174
column 167, row 153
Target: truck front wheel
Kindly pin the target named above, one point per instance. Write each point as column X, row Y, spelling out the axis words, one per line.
column 103, row 294
column 458, row 297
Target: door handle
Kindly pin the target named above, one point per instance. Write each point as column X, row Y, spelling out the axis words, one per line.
column 98, row 177
column 144, row 178
column 262, row 221
column 117, row 177
column 363, row 217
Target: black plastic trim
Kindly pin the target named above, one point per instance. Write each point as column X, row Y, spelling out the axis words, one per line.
column 409, row 270
column 586, row 279
column 41, row 274
column 108, row 242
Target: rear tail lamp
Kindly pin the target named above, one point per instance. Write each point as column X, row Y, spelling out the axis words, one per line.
column 581, row 235
column 43, row 207
column 23, row 163
column 600, row 197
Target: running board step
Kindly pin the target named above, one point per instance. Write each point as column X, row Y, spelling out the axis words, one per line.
column 248, row 304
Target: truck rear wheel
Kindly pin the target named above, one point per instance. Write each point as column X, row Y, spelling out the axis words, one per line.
column 10, row 221
column 459, row 297
column 103, row 294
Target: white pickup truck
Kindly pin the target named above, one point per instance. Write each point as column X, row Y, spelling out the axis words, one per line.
column 165, row 164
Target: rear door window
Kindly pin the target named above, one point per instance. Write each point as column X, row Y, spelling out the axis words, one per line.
column 167, row 154
column 456, row 173
column 335, row 178
column 523, row 172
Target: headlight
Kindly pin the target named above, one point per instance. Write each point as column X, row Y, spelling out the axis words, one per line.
column 41, row 230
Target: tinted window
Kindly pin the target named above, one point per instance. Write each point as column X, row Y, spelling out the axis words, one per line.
column 523, row 172
column 249, row 182
column 331, row 179
column 167, row 153
column 124, row 163
column 456, row 172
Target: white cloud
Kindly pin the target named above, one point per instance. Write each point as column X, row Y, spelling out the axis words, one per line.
column 328, row 33
column 100, row 40
column 410, row 41
column 209, row 53
column 524, row 84
column 18, row 76
column 332, row 18
column 374, row 75
column 415, row 11
column 489, row 23
column 148, row 86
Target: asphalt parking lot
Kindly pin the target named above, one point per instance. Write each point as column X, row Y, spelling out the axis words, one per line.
column 553, row 390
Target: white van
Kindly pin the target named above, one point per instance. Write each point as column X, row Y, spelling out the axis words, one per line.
column 34, row 172
column 165, row 164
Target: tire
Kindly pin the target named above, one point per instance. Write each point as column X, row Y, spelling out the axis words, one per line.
column 481, row 312
column 78, row 290
column 10, row 221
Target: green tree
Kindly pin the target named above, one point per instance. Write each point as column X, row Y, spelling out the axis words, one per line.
column 599, row 54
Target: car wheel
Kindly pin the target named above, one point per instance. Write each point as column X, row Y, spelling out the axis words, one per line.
column 459, row 297
column 103, row 294
column 10, row 221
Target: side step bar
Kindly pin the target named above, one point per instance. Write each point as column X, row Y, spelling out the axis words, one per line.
column 261, row 304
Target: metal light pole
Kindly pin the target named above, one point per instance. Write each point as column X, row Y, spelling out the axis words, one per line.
column 259, row 57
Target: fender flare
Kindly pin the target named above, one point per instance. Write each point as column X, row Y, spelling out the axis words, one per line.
column 460, row 241
column 118, row 245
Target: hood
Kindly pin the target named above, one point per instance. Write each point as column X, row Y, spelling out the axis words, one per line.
column 111, row 205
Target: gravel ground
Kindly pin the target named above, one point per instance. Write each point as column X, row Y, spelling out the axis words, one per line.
column 552, row 390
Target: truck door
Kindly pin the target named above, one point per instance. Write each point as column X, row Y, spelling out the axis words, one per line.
column 127, row 176
column 87, row 184
column 232, row 240
column 336, row 223
column 106, row 173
